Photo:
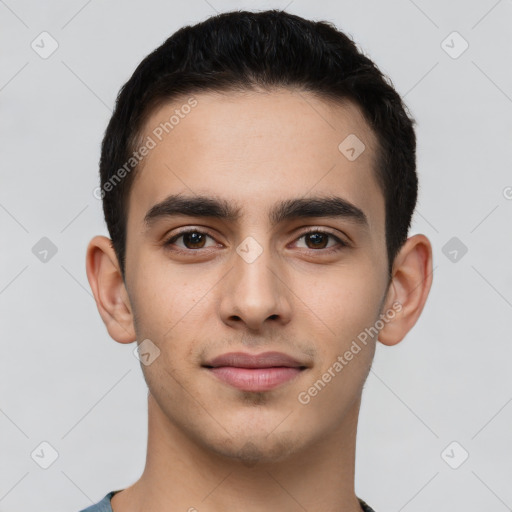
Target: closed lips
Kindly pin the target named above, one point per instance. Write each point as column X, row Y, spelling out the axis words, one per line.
column 264, row 360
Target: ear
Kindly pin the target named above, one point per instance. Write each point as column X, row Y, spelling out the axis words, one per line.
column 108, row 287
column 409, row 288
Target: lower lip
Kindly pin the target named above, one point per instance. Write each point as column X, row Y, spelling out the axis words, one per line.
column 255, row 379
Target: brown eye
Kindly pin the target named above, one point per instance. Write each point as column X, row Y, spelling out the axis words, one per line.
column 192, row 239
column 319, row 240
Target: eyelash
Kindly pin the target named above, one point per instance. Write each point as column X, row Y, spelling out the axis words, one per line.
column 341, row 244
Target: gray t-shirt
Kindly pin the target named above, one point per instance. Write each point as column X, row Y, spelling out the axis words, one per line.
column 104, row 505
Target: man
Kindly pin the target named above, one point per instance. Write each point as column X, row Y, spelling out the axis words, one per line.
column 258, row 181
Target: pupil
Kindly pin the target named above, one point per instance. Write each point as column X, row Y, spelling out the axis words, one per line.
column 194, row 238
column 317, row 238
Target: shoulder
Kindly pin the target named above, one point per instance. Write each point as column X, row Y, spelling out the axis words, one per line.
column 364, row 506
column 104, row 505
column 101, row 506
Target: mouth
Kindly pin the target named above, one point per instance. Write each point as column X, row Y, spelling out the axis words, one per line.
column 260, row 372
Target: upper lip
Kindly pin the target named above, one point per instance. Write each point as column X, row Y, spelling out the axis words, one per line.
column 263, row 360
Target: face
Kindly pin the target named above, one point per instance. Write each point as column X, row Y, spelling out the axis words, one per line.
column 280, row 273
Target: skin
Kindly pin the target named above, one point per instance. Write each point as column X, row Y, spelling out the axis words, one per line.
column 212, row 446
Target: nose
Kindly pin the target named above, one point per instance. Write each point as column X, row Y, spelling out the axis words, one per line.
column 255, row 293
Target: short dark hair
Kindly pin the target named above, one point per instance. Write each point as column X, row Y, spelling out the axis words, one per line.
column 241, row 51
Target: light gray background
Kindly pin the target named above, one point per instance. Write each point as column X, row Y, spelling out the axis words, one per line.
column 63, row 380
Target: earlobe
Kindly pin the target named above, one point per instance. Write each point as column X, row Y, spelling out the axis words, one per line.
column 410, row 286
column 109, row 290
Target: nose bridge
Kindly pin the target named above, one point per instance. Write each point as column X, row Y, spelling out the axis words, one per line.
column 253, row 292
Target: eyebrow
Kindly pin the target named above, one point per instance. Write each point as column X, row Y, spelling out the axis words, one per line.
column 210, row 207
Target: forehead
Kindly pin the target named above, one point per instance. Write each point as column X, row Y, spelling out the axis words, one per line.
column 255, row 149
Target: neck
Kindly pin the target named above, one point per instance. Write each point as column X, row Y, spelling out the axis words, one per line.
column 182, row 474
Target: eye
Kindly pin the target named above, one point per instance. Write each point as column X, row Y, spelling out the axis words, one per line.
column 316, row 239
column 192, row 239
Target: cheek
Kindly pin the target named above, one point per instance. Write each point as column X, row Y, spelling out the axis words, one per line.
column 344, row 305
column 163, row 298
column 168, row 310
column 347, row 307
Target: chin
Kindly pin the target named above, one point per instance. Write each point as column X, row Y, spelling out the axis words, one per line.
column 251, row 450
